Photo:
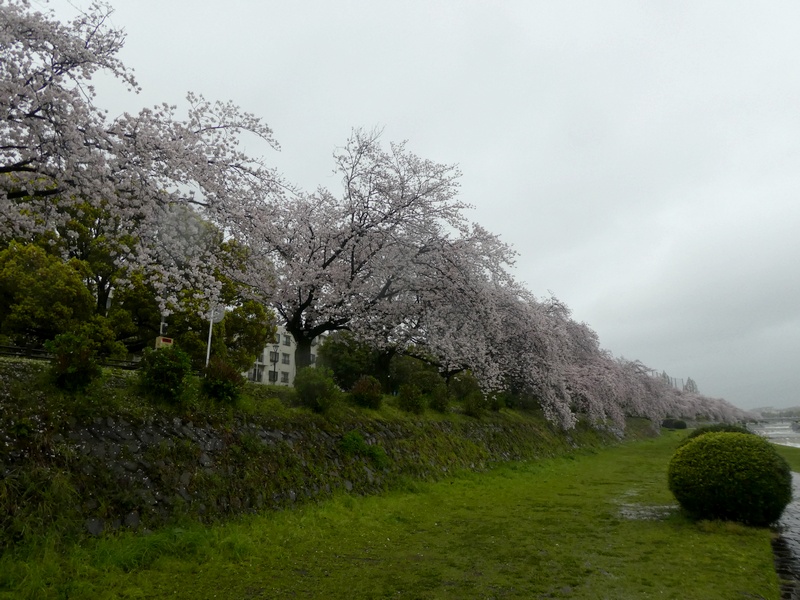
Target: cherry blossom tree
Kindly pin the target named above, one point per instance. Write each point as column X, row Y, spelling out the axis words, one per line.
column 593, row 378
column 449, row 321
column 377, row 256
column 59, row 151
column 527, row 344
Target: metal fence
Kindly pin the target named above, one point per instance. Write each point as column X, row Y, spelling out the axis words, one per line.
column 40, row 354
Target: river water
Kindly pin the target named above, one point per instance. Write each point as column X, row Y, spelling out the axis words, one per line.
column 786, row 545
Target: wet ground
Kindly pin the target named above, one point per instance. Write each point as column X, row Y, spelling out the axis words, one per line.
column 786, row 544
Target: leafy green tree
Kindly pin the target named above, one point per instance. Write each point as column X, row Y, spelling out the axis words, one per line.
column 247, row 330
column 100, row 330
column 135, row 314
column 238, row 339
column 92, row 234
column 41, row 296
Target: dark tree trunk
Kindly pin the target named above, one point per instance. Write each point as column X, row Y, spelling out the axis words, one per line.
column 103, row 289
column 302, row 353
column 303, row 337
column 383, row 363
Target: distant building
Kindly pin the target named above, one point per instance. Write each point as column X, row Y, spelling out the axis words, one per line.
column 275, row 365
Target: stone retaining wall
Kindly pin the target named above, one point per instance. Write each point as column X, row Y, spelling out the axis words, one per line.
column 143, row 474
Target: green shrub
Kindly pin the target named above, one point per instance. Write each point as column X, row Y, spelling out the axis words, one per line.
column 367, row 392
column 475, row 404
column 316, row 389
column 74, row 364
column 353, row 443
column 163, row 372
column 100, row 330
column 673, row 424
column 262, row 393
column 718, row 428
column 496, row 402
column 521, row 401
column 439, row 398
column 410, row 399
column 427, row 380
column 731, row 476
column 466, row 389
column 347, row 357
column 222, row 382
column 378, row 457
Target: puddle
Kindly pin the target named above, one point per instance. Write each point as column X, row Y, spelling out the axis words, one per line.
column 634, row 511
column 642, row 512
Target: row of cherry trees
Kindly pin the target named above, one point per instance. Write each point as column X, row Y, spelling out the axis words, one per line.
column 390, row 256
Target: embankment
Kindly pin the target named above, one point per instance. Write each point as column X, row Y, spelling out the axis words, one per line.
column 109, row 459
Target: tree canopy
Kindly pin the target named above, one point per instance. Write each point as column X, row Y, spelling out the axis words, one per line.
column 40, row 295
column 60, row 154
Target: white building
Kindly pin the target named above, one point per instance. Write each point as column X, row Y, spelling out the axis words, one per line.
column 275, row 365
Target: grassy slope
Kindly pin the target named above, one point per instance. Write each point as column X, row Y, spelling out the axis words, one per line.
column 546, row 529
column 52, row 483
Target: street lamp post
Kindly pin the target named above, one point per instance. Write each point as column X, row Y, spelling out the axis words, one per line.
column 274, row 360
column 215, row 315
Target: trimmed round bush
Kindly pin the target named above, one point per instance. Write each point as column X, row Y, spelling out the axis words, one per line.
column 732, row 477
column 718, row 428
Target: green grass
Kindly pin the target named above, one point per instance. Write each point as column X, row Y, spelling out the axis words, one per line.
column 553, row 528
column 792, row 456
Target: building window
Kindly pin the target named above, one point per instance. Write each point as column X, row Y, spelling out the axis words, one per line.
column 287, row 341
column 273, row 357
column 261, row 357
column 313, row 359
column 256, row 373
column 284, row 377
column 273, row 377
column 285, row 358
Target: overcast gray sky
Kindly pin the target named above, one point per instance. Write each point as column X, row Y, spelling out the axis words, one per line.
column 642, row 157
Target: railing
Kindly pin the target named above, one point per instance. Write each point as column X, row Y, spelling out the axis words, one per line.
column 40, row 354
